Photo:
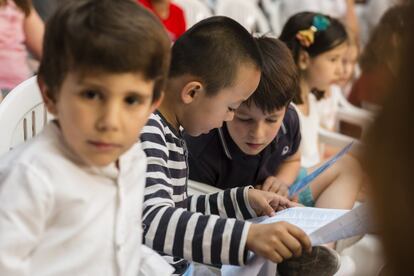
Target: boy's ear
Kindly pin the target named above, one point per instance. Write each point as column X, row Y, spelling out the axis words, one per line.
column 49, row 102
column 155, row 104
column 190, row 91
column 303, row 61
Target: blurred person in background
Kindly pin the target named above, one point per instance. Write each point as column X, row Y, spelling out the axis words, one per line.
column 389, row 162
column 380, row 58
column 171, row 16
column 21, row 29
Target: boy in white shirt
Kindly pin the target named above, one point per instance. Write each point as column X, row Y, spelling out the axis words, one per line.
column 71, row 198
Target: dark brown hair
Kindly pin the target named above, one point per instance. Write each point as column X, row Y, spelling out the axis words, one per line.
column 212, row 50
column 381, row 44
column 24, row 5
column 279, row 82
column 104, row 35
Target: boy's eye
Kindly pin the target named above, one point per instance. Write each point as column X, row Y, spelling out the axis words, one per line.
column 131, row 100
column 230, row 109
column 91, row 94
column 244, row 119
column 272, row 121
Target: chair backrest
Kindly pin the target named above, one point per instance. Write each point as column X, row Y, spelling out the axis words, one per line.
column 246, row 12
column 194, row 11
column 22, row 115
column 272, row 8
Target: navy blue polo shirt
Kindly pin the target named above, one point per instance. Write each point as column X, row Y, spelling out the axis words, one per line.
column 216, row 160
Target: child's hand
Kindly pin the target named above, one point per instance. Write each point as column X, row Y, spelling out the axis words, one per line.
column 274, row 185
column 277, row 241
column 266, row 203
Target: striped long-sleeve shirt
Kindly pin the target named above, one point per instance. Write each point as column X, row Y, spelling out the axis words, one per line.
column 208, row 229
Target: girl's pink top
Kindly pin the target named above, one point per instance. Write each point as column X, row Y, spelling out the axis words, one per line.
column 13, row 55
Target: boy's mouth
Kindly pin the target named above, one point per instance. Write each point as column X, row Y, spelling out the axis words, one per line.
column 253, row 145
column 104, row 145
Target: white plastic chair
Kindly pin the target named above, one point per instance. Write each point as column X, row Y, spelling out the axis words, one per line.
column 211, row 4
column 22, row 115
column 246, row 12
column 345, row 112
column 194, row 11
column 198, row 188
column 272, row 8
column 354, row 115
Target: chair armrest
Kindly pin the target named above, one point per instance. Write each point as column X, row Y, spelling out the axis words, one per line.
column 355, row 116
column 198, row 188
column 339, row 140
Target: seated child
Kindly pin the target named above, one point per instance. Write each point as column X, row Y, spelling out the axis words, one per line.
column 318, row 43
column 21, row 30
column 71, row 198
column 215, row 66
column 261, row 147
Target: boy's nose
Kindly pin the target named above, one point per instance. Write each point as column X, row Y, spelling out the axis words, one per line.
column 109, row 118
column 256, row 130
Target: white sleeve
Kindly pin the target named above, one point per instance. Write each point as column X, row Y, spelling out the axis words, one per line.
column 153, row 264
column 25, row 201
column 328, row 109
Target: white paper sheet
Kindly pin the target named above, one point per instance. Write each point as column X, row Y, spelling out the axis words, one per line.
column 322, row 226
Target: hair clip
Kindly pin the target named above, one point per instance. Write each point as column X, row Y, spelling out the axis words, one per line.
column 307, row 37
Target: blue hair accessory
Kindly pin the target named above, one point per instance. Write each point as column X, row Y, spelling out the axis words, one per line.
column 321, row 22
column 307, row 37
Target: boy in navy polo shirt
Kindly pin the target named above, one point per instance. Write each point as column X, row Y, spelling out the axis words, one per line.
column 261, row 146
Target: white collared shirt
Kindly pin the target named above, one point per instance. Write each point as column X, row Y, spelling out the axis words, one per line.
column 58, row 217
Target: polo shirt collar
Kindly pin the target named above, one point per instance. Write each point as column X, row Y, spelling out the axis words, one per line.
column 230, row 147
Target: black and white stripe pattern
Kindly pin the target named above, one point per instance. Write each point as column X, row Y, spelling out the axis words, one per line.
column 206, row 228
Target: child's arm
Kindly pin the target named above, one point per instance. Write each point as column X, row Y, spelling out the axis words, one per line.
column 25, row 201
column 277, row 241
column 285, row 176
column 351, row 18
column 241, row 203
column 175, row 231
column 34, row 30
column 230, row 203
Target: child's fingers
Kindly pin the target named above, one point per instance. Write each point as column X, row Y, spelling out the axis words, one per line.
column 278, row 200
column 293, row 245
column 273, row 256
column 283, row 191
column 268, row 210
column 301, row 236
column 282, row 249
column 266, row 185
column 294, row 198
column 275, row 187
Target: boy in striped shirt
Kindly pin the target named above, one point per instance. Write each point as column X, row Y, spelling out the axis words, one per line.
column 215, row 66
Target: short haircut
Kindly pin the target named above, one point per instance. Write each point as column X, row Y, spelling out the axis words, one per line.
column 279, row 83
column 104, row 36
column 212, row 50
column 325, row 40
